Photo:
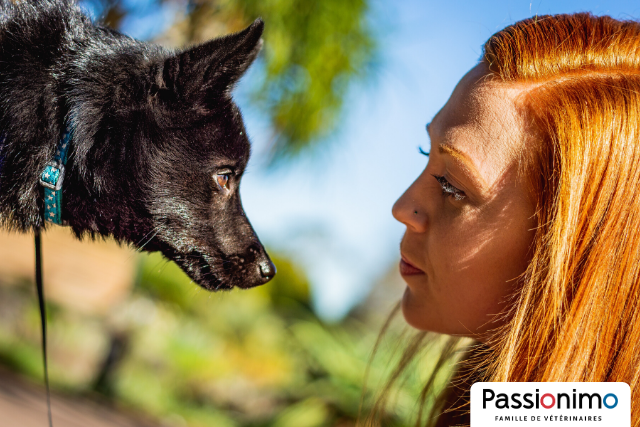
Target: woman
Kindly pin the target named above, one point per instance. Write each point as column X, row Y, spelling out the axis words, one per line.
column 522, row 231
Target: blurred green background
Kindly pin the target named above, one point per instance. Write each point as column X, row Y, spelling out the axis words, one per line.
column 159, row 347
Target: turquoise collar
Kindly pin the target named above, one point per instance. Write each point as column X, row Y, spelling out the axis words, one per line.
column 52, row 177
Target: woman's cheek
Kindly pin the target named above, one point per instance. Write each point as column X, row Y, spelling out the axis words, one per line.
column 455, row 237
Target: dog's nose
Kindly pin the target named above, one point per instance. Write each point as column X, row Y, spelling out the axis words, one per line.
column 267, row 270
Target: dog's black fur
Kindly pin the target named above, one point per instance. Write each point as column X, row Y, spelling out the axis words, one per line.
column 153, row 129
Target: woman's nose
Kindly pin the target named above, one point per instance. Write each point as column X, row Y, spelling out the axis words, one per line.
column 407, row 210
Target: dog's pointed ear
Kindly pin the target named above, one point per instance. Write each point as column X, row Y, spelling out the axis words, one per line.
column 211, row 69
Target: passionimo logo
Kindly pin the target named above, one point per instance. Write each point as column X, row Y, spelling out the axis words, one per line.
column 547, row 400
column 573, row 404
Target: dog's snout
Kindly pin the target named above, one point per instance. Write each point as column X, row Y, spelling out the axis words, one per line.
column 267, row 270
column 253, row 267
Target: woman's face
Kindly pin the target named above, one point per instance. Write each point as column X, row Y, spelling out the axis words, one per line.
column 469, row 216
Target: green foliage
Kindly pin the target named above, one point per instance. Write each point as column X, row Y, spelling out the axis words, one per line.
column 311, row 412
column 288, row 292
column 313, row 51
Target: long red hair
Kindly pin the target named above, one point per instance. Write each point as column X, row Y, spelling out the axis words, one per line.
column 576, row 313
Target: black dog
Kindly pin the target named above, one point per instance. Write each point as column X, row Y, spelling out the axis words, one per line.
column 157, row 147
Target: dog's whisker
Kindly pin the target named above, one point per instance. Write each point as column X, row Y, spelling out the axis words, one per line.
column 150, row 239
column 138, row 248
column 156, row 229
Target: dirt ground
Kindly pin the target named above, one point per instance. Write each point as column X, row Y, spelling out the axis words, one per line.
column 23, row 404
column 86, row 276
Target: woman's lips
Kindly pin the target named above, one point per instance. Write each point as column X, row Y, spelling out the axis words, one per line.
column 408, row 269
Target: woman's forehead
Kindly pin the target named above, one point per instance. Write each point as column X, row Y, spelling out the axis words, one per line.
column 481, row 120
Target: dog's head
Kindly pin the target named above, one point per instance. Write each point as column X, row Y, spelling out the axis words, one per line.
column 180, row 153
column 194, row 193
column 195, row 179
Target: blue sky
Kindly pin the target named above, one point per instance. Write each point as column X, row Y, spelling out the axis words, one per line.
column 331, row 211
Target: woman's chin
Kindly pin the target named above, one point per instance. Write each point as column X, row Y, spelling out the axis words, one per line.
column 413, row 310
column 420, row 312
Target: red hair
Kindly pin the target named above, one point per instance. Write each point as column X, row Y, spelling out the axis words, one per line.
column 576, row 314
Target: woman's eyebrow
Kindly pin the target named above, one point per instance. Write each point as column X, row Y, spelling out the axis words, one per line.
column 462, row 159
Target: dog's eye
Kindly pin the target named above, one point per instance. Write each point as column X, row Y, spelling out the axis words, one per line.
column 222, row 178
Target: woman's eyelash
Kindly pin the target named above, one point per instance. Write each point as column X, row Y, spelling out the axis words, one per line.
column 448, row 189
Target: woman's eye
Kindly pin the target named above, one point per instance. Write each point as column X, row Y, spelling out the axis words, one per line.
column 222, row 179
column 448, row 189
